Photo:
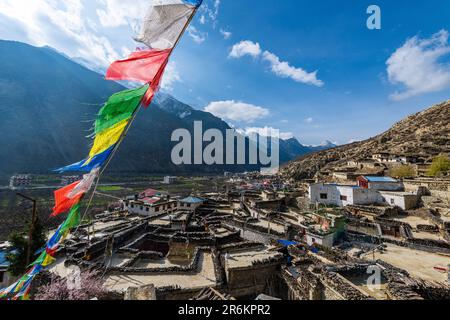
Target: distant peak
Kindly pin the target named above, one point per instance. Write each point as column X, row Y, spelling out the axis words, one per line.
column 328, row 144
column 170, row 104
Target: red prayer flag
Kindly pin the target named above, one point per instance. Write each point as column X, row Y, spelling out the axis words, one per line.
column 142, row 66
column 154, row 86
column 63, row 203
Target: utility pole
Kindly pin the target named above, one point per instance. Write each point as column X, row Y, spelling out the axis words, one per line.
column 33, row 222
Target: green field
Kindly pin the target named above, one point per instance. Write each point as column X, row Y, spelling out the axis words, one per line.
column 109, row 188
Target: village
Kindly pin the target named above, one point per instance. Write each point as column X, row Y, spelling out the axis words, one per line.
column 267, row 237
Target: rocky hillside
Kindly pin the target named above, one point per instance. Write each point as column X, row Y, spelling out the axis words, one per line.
column 424, row 134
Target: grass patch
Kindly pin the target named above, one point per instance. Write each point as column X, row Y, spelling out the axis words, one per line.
column 109, row 188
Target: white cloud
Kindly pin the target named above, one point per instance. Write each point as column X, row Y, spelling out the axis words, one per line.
column 244, row 48
column 416, row 66
column 279, row 68
column 171, row 76
column 226, row 34
column 63, row 25
column 237, row 111
column 266, row 132
column 309, row 120
column 285, row 70
column 118, row 13
column 196, row 35
column 210, row 13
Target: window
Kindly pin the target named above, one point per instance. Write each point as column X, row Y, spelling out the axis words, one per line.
column 147, row 209
column 392, row 201
column 157, row 209
column 132, row 206
column 323, row 196
column 2, row 274
column 142, row 208
column 343, row 198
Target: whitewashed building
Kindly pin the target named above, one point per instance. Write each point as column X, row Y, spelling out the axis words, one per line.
column 190, row 203
column 404, row 200
column 22, row 181
column 169, row 180
column 150, row 203
column 151, row 206
column 341, row 195
column 325, row 239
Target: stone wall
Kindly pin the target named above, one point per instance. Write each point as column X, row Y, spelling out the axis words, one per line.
column 247, row 283
column 191, row 268
column 338, row 288
column 430, row 183
column 364, row 227
column 417, row 244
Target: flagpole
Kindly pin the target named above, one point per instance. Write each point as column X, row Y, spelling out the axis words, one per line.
column 133, row 118
column 138, row 109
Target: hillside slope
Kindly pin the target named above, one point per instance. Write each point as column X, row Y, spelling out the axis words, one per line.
column 424, row 134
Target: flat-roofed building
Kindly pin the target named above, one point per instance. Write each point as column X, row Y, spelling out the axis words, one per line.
column 190, row 203
column 380, row 183
column 169, row 180
column 404, row 200
column 21, row 181
column 342, row 195
column 151, row 206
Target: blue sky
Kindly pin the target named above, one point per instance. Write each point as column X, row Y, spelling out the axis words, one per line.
column 253, row 62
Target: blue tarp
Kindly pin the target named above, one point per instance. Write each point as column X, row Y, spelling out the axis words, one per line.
column 3, row 261
column 287, row 243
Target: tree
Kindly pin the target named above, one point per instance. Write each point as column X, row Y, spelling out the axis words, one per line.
column 17, row 257
column 439, row 166
column 90, row 286
column 403, row 171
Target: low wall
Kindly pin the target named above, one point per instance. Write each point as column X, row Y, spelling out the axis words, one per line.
column 432, row 246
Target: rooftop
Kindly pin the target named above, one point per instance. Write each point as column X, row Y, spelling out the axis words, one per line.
column 418, row 263
column 379, row 179
column 249, row 257
column 204, row 277
column 149, row 193
column 149, row 200
column 192, row 200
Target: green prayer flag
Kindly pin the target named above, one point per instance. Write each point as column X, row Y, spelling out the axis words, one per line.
column 73, row 219
column 119, row 107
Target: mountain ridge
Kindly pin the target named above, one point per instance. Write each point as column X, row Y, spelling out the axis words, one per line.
column 49, row 102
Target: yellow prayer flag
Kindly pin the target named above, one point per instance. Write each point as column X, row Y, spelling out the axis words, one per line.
column 104, row 140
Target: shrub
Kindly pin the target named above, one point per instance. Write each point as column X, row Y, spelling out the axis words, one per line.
column 439, row 166
column 403, row 171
